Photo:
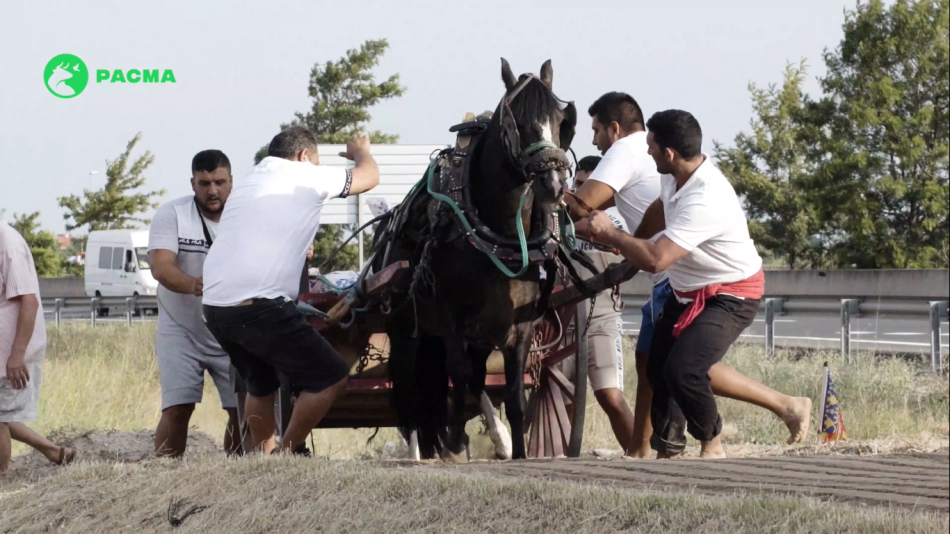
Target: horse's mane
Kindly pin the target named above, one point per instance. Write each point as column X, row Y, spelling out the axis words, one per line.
column 535, row 103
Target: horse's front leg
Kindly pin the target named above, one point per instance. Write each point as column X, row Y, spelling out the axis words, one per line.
column 460, row 371
column 514, row 392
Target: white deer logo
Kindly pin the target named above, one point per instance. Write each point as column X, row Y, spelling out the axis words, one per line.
column 57, row 80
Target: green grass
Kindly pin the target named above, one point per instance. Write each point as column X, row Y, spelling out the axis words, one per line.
column 107, row 379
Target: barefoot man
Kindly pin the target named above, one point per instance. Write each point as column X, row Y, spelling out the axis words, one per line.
column 716, row 274
column 22, row 346
column 252, row 276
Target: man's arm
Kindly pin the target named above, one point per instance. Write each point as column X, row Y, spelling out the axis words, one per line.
column 654, row 221
column 17, row 372
column 595, row 195
column 366, row 173
column 644, row 254
column 171, row 277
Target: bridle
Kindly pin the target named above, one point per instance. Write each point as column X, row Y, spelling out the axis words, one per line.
column 544, row 155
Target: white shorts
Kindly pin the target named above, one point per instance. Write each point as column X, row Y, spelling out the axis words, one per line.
column 21, row 405
column 181, row 367
column 603, row 345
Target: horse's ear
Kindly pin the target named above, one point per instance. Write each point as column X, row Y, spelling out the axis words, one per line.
column 547, row 73
column 507, row 76
column 568, row 126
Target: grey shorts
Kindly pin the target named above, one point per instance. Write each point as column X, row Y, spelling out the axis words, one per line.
column 181, row 367
column 21, row 405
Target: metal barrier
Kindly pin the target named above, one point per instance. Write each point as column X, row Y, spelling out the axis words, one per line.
column 846, row 309
column 95, row 305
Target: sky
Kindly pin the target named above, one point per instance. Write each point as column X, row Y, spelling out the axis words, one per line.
column 242, row 69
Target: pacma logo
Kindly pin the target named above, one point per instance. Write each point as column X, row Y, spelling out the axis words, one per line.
column 135, row 76
column 66, row 76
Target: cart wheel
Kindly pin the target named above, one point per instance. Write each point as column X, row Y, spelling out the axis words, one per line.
column 552, row 430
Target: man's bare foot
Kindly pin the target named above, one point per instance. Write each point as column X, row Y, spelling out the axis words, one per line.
column 798, row 419
column 712, row 449
column 638, row 454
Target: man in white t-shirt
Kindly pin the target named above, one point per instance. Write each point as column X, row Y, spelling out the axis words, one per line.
column 716, row 274
column 22, row 349
column 626, row 178
column 252, row 276
column 180, row 235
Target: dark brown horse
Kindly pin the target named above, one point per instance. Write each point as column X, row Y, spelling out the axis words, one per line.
column 460, row 306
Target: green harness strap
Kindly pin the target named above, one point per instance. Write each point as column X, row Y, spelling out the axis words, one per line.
column 566, row 230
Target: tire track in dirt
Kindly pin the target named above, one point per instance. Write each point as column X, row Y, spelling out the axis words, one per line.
column 920, row 481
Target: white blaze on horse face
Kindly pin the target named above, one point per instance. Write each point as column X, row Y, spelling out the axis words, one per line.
column 547, row 132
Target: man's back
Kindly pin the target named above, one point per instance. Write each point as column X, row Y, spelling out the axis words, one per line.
column 267, row 225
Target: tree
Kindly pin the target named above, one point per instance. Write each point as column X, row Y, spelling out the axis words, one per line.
column 342, row 93
column 116, row 205
column 327, row 240
column 884, row 162
column 771, row 169
column 43, row 245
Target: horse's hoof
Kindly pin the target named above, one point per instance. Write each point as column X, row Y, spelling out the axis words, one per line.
column 460, row 457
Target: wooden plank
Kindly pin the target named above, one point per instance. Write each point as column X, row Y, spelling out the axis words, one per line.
column 558, row 377
column 533, row 420
column 546, row 428
column 390, row 274
column 560, row 355
column 554, row 432
column 561, row 409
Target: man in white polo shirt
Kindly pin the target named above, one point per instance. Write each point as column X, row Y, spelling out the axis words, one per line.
column 626, row 178
column 252, row 276
column 716, row 274
column 180, row 235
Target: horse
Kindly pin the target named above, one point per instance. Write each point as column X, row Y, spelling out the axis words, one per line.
column 460, row 305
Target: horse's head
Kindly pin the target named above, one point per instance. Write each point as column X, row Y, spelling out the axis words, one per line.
column 537, row 131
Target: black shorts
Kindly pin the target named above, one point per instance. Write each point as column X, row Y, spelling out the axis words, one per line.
column 270, row 335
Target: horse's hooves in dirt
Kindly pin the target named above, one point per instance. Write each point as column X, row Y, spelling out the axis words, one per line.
column 460, row 457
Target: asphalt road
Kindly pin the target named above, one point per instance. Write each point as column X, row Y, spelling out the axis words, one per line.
column 824, row 331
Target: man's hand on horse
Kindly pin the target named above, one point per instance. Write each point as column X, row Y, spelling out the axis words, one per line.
column 601, row 227
column 356, row 148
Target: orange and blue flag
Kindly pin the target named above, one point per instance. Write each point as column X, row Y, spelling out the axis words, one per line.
column 832, row 420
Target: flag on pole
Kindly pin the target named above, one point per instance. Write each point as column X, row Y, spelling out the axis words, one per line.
column 832, row 420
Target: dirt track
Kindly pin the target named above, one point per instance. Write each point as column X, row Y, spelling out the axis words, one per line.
column 919, row 481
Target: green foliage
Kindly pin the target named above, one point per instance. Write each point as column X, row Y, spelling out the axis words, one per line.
column 43, row 245
column 327, row 240
column 858, row 177
column 116, row 205
column 342, row 93
column 885, row 160
column 771, row 168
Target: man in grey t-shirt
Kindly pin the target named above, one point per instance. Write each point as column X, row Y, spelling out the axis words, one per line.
column 181, row 234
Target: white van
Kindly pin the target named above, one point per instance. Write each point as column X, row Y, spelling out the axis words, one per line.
column 117, row 264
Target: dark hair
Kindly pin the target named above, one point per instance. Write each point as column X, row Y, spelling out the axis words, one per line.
column 617, row 107
column 588, row 163
column 288, row 143
column 678, row 130
column 209, row 160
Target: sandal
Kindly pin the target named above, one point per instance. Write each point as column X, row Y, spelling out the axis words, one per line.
column 66, row 456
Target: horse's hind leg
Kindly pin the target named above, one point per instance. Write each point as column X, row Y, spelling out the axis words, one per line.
column 514, row 393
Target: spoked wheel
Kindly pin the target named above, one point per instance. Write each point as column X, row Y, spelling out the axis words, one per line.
column 553, row 429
